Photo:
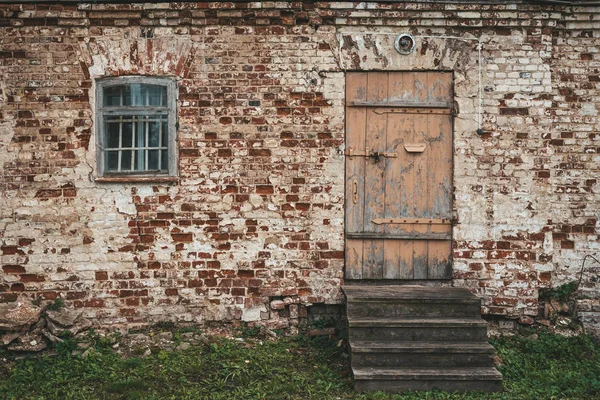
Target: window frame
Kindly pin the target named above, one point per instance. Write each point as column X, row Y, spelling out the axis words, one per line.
column 103, row 111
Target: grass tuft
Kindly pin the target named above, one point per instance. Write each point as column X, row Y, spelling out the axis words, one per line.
column 542, row 366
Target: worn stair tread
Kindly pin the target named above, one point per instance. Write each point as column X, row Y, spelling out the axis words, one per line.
column 416, row 322
column 421, row 347
column 409, row 293
column 470, row 374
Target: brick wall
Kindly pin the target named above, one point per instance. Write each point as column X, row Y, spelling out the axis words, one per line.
column 253, row 228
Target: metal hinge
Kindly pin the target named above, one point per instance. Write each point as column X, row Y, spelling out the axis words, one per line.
column 418, row 221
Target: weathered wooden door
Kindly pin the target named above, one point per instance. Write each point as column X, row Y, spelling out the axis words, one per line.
column 399, row 175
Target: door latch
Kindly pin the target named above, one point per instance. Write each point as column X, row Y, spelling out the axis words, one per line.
column 351, row 152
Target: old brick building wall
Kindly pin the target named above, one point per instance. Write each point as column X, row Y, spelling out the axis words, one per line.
column 253, row 228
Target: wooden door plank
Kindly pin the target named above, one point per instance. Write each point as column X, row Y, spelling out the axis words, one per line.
column 398, row 262
column 373, row 257
column 356, row 89
column 399, row 178
column 355, row 169
column 377, row 89
column 354, row 258
column 439, row 175
column 419, row 194
column 398, row 129
column 375, row 172
column 440, row 87
column 438, row 259
column 398, row 89
column 356, row 86
column 398, row 172
column 375, row 141
column 420, row 87
column 439, row 183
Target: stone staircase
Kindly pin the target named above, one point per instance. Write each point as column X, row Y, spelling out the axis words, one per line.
column 419, row 338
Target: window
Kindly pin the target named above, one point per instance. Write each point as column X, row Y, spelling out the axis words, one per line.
column 136, row 127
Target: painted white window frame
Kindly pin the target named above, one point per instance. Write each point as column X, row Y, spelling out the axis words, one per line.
column 103, row 111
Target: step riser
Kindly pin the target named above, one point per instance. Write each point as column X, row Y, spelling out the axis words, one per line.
column 396, row 386
column 398, row 309
column 417, row 360
column 406, row 334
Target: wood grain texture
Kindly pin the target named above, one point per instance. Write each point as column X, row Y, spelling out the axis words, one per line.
column 409, row 189
column 356, row 89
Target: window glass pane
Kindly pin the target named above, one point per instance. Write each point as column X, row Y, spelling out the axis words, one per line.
column 112, row 135
column 153, row 134
column 165, row 132
column 126, row 160
column 136, row 95
column 114, row 94
column 140, row 137
column 155, row 95
column 112, row 160
column 127, row 133
column 164, row 161
column 140, row 160
column 153, row 159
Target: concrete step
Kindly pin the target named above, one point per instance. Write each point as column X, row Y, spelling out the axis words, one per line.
column 395, row 380
column 417, row 329
column 421, row 354
column 409, row 301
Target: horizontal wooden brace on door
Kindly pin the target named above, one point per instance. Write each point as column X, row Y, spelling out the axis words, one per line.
column 399, row 104
column 351, row 152
column 405, row 236
column 425, row 221
column 404, row 110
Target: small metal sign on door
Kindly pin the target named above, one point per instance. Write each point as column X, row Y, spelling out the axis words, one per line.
column 398, row 175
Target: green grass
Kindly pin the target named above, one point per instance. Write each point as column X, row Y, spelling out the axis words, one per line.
column 550, row 367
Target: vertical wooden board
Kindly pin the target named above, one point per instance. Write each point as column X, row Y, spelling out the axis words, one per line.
column 356, row 86
column 398, row 89
column 419, row 199
column 375, row 142
column 439, row 169
column 399, row 132
column 420, row 83
column 420, row 259
column 439, row 87
column 373, row 259
column 439, row 177
column 420, row 195
column 397, row 169
column 354, row 258
column 374, row 171
column 377, row 86
column 398, row 261
column 355, row 169
column 439, row 259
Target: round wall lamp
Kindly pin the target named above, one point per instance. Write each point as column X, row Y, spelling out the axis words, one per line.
column 405, row 43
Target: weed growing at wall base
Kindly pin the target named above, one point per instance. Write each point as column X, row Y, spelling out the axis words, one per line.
column 540, row 366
